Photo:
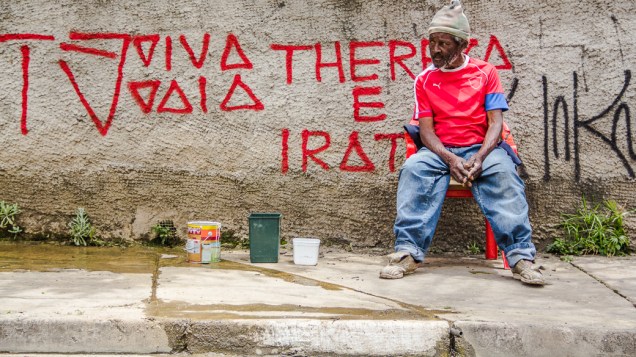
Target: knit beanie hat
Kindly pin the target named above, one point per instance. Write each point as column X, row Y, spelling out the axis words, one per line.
column 451, row 19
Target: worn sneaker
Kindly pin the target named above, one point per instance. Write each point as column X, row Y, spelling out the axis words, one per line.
column 400, row 264
column 527, row 273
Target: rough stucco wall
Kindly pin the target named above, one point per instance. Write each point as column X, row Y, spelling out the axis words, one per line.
column 223, row 159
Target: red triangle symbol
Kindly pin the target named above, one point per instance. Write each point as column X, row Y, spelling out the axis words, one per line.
column 257, row 104
column 232, row 41
column 494, row 43
column 145, row 105
column 139, row 40
column 187, row 107
column 354, row 144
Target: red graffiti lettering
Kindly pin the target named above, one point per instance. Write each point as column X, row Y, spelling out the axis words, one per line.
column 26, row 60
column 354, row 62
column 145, row 105
column 354, row 144
column 238, row 82
column 174, row 87
column 494, row 43
column 232, row 43
column 168, row 53
column 88, row 50
column 138, row 41
column 197, row 63
column 311, row 153
column 337, row 64
column 25, row 36
column 357, row 104
column 394, row 138
column 203, row 93
column 289, row 56
column 354, row 147
column 285, row 152
column 393, row 59
column 101, row 126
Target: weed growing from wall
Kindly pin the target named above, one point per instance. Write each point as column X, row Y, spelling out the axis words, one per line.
column 165, row 234
column 594, row 229
column 82, row 231
column 8, row 215
column 474, row 248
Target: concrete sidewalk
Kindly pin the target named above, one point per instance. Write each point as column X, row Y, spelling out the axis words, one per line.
column 453, row 305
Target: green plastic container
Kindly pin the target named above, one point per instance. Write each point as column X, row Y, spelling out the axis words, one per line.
column 264, row 237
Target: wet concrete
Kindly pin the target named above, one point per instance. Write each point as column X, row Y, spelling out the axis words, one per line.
column 64, row 299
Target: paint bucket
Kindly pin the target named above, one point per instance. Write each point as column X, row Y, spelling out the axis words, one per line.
column 306, row 251
column 204, row 242
column 264, row 237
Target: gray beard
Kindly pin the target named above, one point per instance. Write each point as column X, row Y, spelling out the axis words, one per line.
column 451, row 60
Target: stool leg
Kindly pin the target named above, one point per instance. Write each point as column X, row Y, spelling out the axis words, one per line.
column 491, row 245
column 505, row 261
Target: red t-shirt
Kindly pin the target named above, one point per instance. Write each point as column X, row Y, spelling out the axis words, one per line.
column 458, row 99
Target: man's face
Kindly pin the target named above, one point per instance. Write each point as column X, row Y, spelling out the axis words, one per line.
column 443, row 49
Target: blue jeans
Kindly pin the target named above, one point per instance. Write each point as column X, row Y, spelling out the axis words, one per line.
column 499, row 192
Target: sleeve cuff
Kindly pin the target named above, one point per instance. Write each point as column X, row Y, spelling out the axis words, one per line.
column 496, row 101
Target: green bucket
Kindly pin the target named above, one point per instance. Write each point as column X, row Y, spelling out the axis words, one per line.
column 264, row 237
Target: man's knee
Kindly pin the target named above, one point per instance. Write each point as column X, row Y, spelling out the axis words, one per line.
column 498, row 162
column 423, row 161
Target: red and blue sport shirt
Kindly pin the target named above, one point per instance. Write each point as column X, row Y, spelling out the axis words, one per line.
column 457, row 100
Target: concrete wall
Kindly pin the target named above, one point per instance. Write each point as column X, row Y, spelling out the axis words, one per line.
column 148, row 110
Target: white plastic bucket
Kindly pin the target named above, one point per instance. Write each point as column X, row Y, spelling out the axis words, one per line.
column 306, row 251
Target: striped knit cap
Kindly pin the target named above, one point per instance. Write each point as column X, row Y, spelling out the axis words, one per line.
column 451, row 19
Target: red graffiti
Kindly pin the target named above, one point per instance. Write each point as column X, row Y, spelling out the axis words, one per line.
column 238, row 82
column 139, row 40
column 145, row 105
column 25, row 37
column 88, row 50
column 168, row 53
column 355, row 62
column 367, row 62
column 285, row 152
column 203, row 93
column 230, row 43
column 494, row 43
column 311, row 153
column 394, row 138
column 355, row 146
column 174, row 87
column 320, row 64
column 26, row 60
column 399, row 59
column 357, row 104
column 102, row 127
column 196, row 62
column 289, row 57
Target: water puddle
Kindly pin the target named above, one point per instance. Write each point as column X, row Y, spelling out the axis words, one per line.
column 52, row 257
column 26, row 256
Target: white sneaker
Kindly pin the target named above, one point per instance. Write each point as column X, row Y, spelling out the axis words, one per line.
column 400, row 264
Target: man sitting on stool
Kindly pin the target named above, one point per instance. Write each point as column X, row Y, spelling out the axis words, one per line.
column 459, row 104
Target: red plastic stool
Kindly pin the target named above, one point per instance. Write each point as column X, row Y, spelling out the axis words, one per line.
column 456, row 190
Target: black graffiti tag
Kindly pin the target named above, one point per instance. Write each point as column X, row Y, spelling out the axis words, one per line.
column 618, row 108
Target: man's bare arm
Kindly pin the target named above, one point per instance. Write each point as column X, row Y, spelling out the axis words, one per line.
column 495, row 124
